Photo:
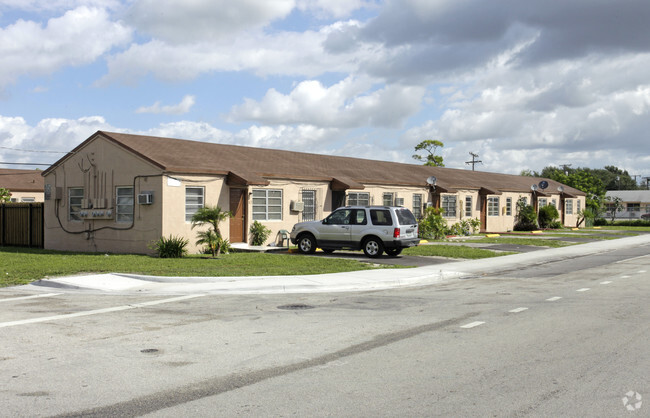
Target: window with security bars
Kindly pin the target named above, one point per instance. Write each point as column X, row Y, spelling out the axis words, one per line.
column 449, row 206
column 569, row 207
column 417, row 206
column 508, row 206
column 267, row 205
column 194, row 200
column 309, row 201
column 124, row 204
column 493, row 206
column 468, row 206
column 388, row 199
column 358, row 199
column 75, row 196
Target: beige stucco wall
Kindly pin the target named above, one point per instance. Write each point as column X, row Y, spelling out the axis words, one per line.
column 20, row 197
column 99, row 167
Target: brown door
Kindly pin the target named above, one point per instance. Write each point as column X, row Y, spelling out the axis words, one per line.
column 238, row 219
column 483, row 203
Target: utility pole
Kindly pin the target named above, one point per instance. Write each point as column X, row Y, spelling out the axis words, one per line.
column 474, row 160
column 565, row 168
column 647, row 182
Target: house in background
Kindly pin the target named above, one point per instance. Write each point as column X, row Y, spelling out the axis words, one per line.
column 636, row 203
column 119, row 192
column 24, row 185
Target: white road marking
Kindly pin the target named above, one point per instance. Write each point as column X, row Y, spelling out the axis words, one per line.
column 624, row 277
column 584, row 289
column 605, row 282
column 44, row 295
column 517, row 310
column 630, row 259
column 554, row 298
column 472, row 324
column 95, row 311
column 642, row 271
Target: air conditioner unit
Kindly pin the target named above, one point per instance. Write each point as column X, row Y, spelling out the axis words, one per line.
column 145, row 198
column 429, row 205
column 399, row 201
column 297, row 206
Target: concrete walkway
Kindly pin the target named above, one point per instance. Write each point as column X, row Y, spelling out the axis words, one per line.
column 336, row 282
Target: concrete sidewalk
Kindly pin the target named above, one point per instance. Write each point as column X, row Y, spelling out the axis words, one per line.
column 336, row 282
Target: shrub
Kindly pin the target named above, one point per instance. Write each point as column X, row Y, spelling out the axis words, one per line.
column 547, row 215
column 432, row 225
column 600, row 222
column 259, row 233
column 172, row 247
column 555, row 225
column 464, row 227
column 526, row 219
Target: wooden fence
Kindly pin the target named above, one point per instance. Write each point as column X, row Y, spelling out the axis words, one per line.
column 21, row 224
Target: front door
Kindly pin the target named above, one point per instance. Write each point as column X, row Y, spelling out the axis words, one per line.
column 238, row 219
column 483, row 203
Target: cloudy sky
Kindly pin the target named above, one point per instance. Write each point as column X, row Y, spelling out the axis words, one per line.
column 525, row 84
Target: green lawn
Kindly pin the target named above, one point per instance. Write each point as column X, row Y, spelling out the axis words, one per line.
column 452, row 251
column 22, row 266
column 540, row 242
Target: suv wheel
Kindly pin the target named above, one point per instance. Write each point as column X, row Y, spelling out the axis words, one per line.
column 307, row 244
column 373, row 247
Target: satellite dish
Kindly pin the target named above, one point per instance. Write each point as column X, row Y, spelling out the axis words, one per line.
column 533, row 187
column 431, row 180
column 560, row 189
column 543, row 184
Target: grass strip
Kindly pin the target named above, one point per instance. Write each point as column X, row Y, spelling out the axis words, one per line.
column 21, row 266
column 453, row 251
column 538, row 242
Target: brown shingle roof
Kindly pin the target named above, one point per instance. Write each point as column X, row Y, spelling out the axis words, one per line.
column 21, row 180
column 253, row 165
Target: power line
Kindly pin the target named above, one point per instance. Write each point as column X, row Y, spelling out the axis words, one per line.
column 2, row 162
column 474, row 160
column 31, row 150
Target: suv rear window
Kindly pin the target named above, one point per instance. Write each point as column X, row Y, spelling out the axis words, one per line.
column 380, row 217
column 405, row 217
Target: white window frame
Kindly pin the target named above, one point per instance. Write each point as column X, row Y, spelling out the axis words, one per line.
column 448, row 205
column 417, row 205
column 388, row 199
column 542, row 202
column 191, row 207
column 493, row 204
column 124, row 207
column 508, row 206
column 28, row 199
column 469, row 205
column 359, row 199
column 75, row 200
column 308, row 197
column 568, row 210
column 267, row 206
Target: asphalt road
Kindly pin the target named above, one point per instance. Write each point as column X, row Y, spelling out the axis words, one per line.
column 562, row 338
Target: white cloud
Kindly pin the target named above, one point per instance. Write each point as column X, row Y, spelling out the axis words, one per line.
column 178, row 109
column 335, row 8
column 181, row 21
column 348, row 104
column 77, row 38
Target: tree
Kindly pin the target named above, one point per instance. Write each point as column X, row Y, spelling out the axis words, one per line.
column 5, row 195
column 212, row 216
column 430, row 146
column 615, row 204
column 209, row 238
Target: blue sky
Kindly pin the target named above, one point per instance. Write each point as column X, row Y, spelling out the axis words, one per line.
column 523, row 84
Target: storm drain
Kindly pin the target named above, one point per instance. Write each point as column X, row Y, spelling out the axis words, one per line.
column 296, row 307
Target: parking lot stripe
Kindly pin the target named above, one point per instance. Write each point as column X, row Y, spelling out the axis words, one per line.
column 472, row 324
column 44, row 295
column 605, row 282
column 554, row 298
column 517, row 310
column 584, row 289
column 95, row 311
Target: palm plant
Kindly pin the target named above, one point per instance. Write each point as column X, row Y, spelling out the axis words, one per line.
column 212, row 215
column 210, row 239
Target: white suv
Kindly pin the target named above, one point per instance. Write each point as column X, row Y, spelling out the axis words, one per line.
column 374, row 229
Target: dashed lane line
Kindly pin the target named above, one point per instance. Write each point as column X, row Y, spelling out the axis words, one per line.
column 606, row 282
column 472, row 324
column 554, row 298
column 584, row 289
column 517, row 310
column 44, row 295
column 96, row 311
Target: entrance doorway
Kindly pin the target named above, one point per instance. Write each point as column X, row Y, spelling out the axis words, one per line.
column 238, row 219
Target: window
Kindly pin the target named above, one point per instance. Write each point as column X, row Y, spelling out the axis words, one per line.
column 508, row 206
column 194, row 198
column 124, row 204
column 309, row 201
column 634, row 207
column 542, row 202
column 468, row 206
column 569, row 207
column 493, row 206
column 554, row 203
column 578, row 204
column 75, row 196
column 380, row 217
column 388, row 199
column 267, row 205
column 358, row 199
column 449, row 206
column 27, row 199
column 417, row 206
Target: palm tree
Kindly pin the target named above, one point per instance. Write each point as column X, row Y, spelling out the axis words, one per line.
column 212, row 215
column 210, row 239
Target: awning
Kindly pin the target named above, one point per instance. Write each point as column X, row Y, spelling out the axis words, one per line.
column 484, row 191
column 341, row 184
column 245, row 179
